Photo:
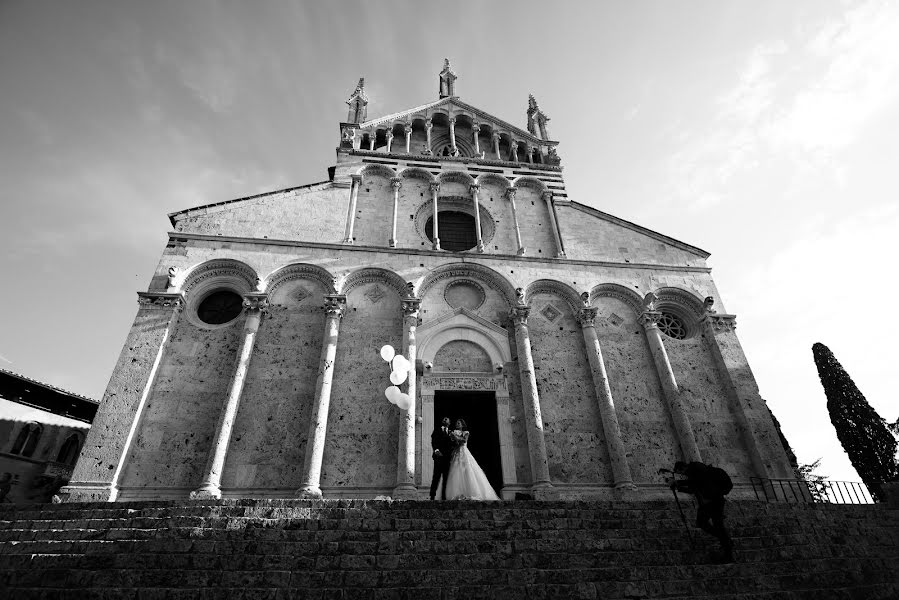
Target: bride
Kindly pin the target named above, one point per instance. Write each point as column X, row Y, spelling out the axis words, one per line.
column 466, row 479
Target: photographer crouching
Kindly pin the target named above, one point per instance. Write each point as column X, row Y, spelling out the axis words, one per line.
column 709, row 485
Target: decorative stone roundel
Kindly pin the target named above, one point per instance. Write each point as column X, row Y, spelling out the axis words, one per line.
column 220, row 307
column 672, row 326
column 464, row 293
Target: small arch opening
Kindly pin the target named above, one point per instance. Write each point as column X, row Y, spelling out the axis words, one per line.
column 456, row 230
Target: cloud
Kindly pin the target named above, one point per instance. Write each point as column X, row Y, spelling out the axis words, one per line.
column 797, row 102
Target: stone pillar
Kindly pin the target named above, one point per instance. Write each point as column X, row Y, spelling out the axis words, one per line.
column 527, row 151
column 557, row 236
column 405, row 471
column 396, row 183
column 742, row 390
column 514, row 151
column 495, row 139
column 408, row 130
column 475, row 190
column 210, row 487
column 475, row 130
column 106, row 448
column 318, row 422
column 389, row 141
column 428, row 126
column 621, row 472
column 533, row 417
column 435, row 187
column 510, row 194
column 372, row 138
column 650, row 322
column 452, row 124
column 351, row 212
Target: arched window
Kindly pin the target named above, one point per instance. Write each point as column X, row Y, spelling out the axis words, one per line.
column 27, row 440
column 69, row 451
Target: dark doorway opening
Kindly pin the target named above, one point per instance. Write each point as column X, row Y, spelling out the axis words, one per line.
column 479, row 411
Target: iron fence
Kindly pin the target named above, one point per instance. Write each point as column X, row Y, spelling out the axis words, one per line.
column 823, row 492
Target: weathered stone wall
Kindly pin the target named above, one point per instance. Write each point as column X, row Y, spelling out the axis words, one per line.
column 646, row 427
column 361, row 443
column 462, row 356
column 268, row 443
column 175, row 435
column 575, row 443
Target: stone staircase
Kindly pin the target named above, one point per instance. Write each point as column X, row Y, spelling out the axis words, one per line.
column 367, row 549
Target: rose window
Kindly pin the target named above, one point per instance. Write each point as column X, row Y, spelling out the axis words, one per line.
column 672, row 326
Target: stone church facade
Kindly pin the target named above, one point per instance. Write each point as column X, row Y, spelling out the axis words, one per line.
column 584, row 351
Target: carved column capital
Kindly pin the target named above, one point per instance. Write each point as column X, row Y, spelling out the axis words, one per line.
column 434, row 187
column 519, row 314
column 587, row 317
column 474, row 188
column 255, row 303
column 161, row 300
column 548, row 196
column 357, row 179
column 411, row 307
column 510, row 193
column 495, row 136
column 452, row 120
column 428, row 123
column 720, row 322
column 396, row 182
column 650, row 319
column 514, row 146
column 407, row 128
column 476, row 127
column 335, row 305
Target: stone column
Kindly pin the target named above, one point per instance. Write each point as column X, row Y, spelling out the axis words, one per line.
column 389, row 141
column 372, row 138
column 536, row 442
column 514, row 151
column 650, row 322
column 106, row 448
column 510, row 194
column 621, row 472
column 428, row 126
column 475, row 191
column 351, row 212
column 408, row 130
column 475, row 130
column 557, row 236
column 396, row 183
column 495, row 139
column 742, row 390
column 210, row 487
column 527, row 151
column 405, row 471
column 435, row 187
column 318, row 422
column 452, row 124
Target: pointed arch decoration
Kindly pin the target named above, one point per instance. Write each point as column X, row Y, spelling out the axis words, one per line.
column 492, row 278
column 550, row 286
column 682, row 298
column 300, row 271
column 374, row 274
column 239, row 274
column 613, row 290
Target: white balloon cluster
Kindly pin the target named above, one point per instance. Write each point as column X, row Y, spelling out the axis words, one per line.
column 400, row 367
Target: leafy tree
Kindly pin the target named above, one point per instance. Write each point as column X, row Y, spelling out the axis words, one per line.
column 862, row 432
column 817, row 483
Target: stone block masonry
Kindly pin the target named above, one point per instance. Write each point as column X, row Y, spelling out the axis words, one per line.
column 283, row 549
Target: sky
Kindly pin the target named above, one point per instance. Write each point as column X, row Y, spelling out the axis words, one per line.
column 763, row 132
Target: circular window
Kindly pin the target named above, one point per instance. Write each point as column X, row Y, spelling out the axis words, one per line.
column 455, row 229
column 466, row 294
column 220, row 307
column 672, row 326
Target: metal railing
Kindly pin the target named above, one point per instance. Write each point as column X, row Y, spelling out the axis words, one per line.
column 822, row 492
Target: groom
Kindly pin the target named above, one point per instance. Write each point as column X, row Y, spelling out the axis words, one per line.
column 442, row 444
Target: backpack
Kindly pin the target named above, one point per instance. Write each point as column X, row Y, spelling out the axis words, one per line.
column 720, row 479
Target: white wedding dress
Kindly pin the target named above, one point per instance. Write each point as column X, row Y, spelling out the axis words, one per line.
column 466, row 479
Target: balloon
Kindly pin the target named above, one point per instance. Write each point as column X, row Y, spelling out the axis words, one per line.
column 404, row 402
column 387, row 352
column 393, row 393
column 400, row 363
column 398, row 377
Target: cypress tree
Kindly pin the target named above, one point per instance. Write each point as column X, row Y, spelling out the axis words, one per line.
column 862, row 432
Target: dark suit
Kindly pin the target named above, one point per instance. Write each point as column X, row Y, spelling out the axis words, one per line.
column 441, row 440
